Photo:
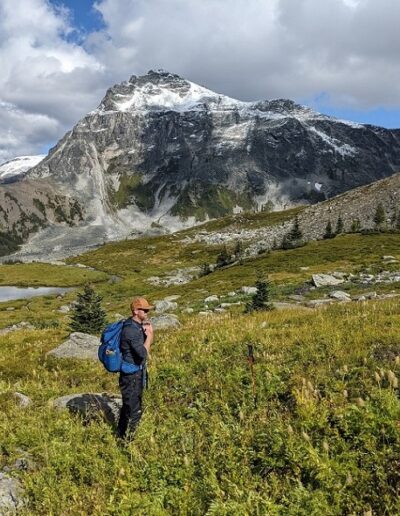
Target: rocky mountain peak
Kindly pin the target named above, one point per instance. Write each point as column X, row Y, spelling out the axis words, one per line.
column 157, row 90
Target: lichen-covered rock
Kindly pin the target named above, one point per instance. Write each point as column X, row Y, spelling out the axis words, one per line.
column 23, row 325
column 78, row 345
column 326, row 280
column 340, row 295
column 22, row 400
column 91, row 405
column 164, row 321
column 11, row 495
column 165, row 306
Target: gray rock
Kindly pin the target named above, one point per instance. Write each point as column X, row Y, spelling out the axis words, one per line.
column 326, row 280
column 296, row 297
column 388, row 257
column 11, row 495
column 231, row 294
column 79, row 345
column 211, row 299
column 205, row 313
column 340, row 295
column 23, row 325
column 23, row 400
column 339, row 275
column 188, row 310
column 165, row 306
column 225, row 305
column 114, row 279
column 304, row 268
column 164, row 321
column 172, row 298
column 219, row 310
column 318, row 302
column 248, row 290
column 10, row 309
column 91, row 405
column 64, row 309
column 359, row 298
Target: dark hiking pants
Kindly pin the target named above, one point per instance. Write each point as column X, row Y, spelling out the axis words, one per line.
column 131, row 386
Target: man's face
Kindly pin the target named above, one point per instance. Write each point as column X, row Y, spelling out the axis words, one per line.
column 142, row 314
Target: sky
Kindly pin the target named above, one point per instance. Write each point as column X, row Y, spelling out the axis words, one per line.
column 58, row 57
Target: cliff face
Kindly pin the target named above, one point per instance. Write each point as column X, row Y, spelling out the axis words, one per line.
column 162, row 151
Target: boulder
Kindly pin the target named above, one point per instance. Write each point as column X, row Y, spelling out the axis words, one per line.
column 172, row 298
column 165, row 306
column 231, row 294
column 64, row 309
column 188, row 310
column 211, row 299
column 78, row 345
column 22, row 400
column 388, row 257
column 114, row 279
column 91, row 405
column 11, row 494
column 340, row 295
column 249, row 290
column 326, row 280
column 23, row 325
column 318, row 302
column 161, row 322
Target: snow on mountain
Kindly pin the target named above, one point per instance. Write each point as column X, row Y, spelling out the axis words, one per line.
column 18, row 166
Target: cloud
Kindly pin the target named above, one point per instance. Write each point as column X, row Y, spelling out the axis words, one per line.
column 346, row 50
column 47, row 81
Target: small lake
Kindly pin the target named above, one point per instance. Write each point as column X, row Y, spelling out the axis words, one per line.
column 11, row 293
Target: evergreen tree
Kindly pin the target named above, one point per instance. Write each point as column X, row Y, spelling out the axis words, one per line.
column 224, row 258
column 261, row 299
column 339, row 225
column 295, row 233
column 294, row 237
column 238, row 252
column 205, row 269
column 87, row 315
column 328, row 231
column 356, row 226
column 380, row 216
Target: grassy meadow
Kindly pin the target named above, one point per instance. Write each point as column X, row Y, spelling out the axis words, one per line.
column 317, row 433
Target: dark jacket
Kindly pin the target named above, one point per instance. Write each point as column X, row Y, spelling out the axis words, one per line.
column 132, row 343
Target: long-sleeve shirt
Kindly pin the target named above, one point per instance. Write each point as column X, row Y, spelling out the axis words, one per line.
column 132, row 343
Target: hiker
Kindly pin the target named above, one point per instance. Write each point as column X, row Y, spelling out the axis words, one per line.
column 136, row 340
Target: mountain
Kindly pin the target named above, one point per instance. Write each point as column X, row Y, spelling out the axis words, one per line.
column 161, row 152
column 18, row 166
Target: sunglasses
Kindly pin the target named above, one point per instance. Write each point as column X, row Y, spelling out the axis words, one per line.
column 145, row 310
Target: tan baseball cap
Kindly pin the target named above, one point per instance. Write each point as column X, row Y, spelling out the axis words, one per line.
column 140, row 303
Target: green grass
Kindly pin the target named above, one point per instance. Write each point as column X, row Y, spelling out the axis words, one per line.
column 324, row 437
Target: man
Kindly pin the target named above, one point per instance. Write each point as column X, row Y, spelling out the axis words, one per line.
column 136, row 341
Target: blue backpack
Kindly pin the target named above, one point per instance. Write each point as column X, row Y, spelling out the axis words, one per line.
column 109, row 351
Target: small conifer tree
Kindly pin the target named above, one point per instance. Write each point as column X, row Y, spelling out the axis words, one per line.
column 205, row 269
column 328, row 231
column 294, row 237
column 87, row 315
column 380, row 216
column 339, row 225
column 356, row 226
column 261, row 299
column 224, row 258
column 295, row 233
column 238, row 252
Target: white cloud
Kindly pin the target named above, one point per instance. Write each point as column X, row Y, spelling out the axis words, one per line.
column 249, row 49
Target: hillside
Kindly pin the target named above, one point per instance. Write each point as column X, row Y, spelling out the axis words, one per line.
column 323, row 436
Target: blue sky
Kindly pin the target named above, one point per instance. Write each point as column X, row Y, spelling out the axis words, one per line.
column 58, row 57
